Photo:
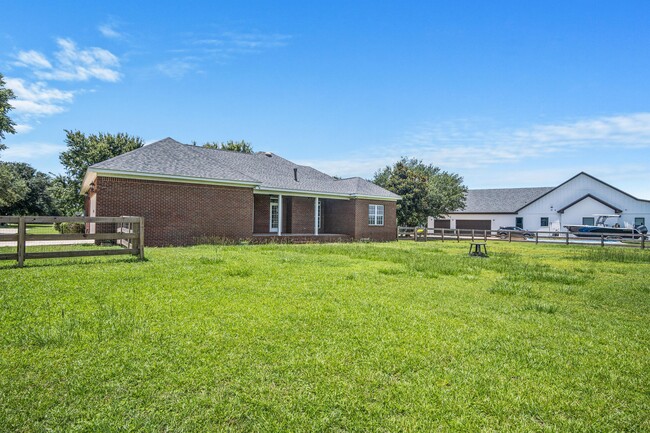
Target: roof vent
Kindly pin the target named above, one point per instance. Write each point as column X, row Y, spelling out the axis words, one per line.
column 269, row 154
column 295, row 174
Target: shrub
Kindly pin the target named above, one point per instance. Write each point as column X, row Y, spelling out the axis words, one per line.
column 66, row 228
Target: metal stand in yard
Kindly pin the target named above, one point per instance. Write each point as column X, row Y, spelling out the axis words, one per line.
column 478, row 249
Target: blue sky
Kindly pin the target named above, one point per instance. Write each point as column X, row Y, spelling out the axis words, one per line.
column 504, row 93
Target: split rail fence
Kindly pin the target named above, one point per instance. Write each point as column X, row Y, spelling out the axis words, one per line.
column 127, row 231
column 565, row 237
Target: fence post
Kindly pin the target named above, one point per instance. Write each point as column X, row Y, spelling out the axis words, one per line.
column 21, row 241
column 472, row 235
column 602, row 240
column 567, row 237
column 457, row 235
column 642, row 241
column 485, row 235
column 536, row 237
column 141, row 242
column 509, row 236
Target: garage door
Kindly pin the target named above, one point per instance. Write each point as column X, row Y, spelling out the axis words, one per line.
column 442, row 224
column 474, row 224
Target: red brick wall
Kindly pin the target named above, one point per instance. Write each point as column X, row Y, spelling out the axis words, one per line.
column 302, row 215
column 338, row 216
column 262, row 213
column 178, row 213
column 387, row 232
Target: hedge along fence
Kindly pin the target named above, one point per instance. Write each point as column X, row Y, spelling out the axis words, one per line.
column 134, row 236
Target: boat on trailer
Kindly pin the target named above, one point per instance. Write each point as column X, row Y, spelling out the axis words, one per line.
column 601, row 227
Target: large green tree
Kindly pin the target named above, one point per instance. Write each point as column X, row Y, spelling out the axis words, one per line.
column 426, row 190
column 34, row 198
column 236, row 146
column 82, row 152
column 12, row 189
column 6, row 123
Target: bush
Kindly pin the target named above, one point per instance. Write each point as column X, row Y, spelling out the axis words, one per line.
column 66, row 228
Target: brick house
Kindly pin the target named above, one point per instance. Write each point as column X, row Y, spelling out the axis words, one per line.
column 186, row 192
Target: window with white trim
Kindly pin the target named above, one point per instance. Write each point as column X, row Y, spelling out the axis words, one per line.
column 639, row 221
column 543, row 222
column 376, row 214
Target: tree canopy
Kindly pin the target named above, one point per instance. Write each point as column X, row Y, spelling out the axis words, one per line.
column 6, row 123
column 426, row 190
column 235, row 146
column 30, row 190
column 82, row 152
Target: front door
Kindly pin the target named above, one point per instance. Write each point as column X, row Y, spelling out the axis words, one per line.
column 274, row 215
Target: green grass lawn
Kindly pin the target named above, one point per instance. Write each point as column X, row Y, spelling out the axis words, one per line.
column 344, row 337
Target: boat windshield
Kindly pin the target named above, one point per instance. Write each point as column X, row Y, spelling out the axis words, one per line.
column 602, row 219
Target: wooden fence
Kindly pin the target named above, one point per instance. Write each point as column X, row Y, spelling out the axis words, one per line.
column 134, row 237
column 423, row 234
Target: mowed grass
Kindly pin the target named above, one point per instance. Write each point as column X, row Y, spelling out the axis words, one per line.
column 343, row 337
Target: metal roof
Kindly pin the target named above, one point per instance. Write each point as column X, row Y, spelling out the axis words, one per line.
column 264, row 170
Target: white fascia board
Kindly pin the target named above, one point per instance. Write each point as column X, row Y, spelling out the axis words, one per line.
column 88, row 179
column 301, row 193
column 166, row 178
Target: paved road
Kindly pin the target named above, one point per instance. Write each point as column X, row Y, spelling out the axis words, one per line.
column 39, row 243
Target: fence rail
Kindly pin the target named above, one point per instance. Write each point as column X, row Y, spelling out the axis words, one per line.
column 422, row 234
column 128, row 232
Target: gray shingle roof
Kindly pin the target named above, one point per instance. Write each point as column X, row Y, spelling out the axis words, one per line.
column 268, row 171
column 503, row 200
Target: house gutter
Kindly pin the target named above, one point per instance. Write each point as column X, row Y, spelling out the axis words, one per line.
column 302, row 193
column 91, row 175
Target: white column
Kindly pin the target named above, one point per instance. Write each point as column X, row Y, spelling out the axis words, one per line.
column 316, row 215
column 279, row 214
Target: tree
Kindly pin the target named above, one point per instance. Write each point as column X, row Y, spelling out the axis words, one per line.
column 425, row 189
column 6, row 124
column 34, row 198
column 64, row 195
column 82, row 152
column 235, row 146
column 13, row 188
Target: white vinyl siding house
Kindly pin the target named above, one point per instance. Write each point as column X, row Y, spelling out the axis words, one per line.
column 575, row 201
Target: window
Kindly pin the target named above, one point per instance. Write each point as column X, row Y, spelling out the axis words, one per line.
column 543, row 222
column 376, row 214
column 587, row 221
column 639, row 221
column 274, row 217
column 519, row 222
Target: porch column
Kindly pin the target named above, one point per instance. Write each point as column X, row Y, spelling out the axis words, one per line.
column 316, row 215
column 279, row 214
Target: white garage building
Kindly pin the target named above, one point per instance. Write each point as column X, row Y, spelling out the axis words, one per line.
column 575, row 201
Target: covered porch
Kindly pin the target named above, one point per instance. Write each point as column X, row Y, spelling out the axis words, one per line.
column 302, row 218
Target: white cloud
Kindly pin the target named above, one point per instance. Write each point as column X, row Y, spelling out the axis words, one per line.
column 34, row 59
column 23, row 128
column 467, row 146
column 178, row 67
column 27, row 151
column 109, row 31
column 198, row 50
column 72, row 63
column 36, row 100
